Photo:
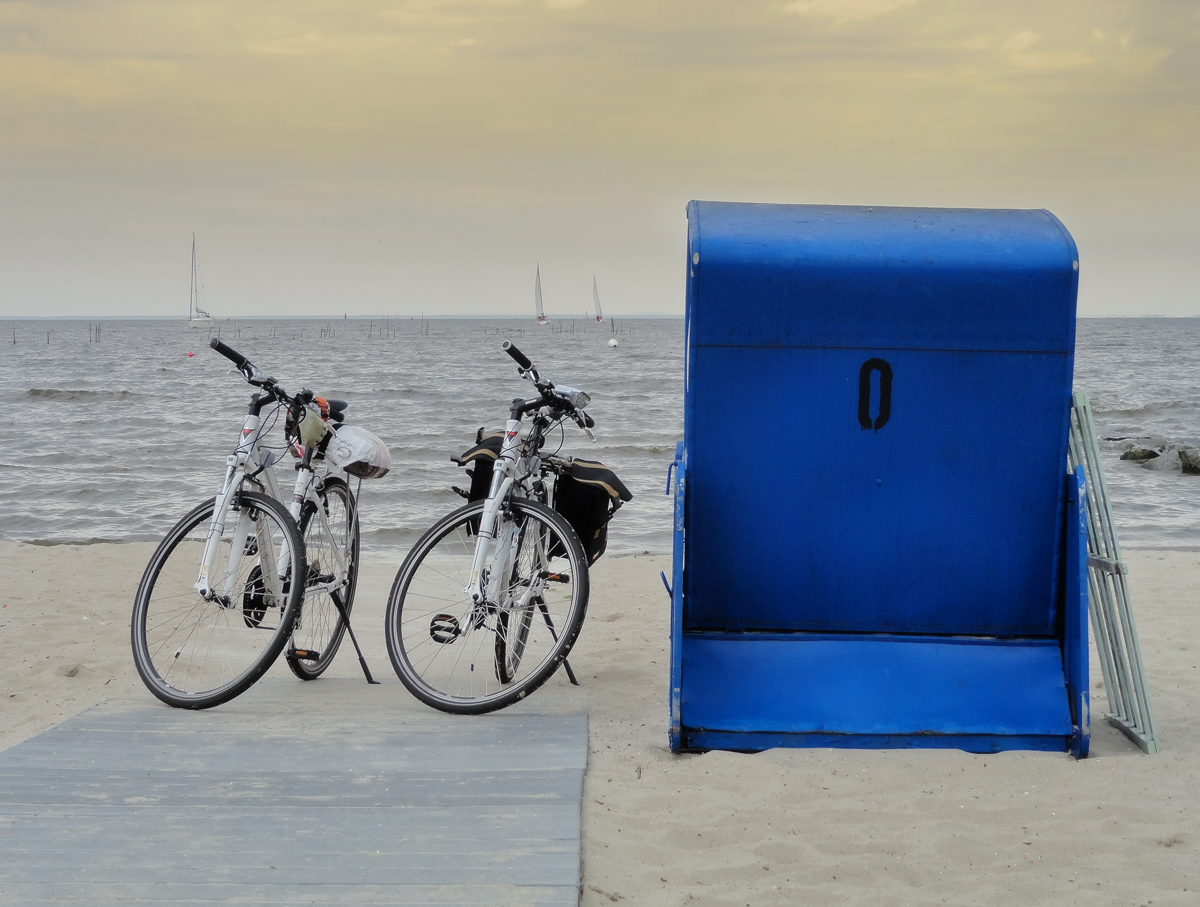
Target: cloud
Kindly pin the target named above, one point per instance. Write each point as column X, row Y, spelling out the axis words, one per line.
column 1017, row 46
column 295, row 45
column 360, row 119
column 846, row 10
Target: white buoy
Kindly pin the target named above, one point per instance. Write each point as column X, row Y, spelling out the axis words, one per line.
column 612, row 341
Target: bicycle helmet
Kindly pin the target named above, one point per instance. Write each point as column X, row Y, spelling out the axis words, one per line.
column 359, row 452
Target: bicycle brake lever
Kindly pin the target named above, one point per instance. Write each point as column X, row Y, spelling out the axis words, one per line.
column 581, row 421
column 255, row 376
column 532, row 374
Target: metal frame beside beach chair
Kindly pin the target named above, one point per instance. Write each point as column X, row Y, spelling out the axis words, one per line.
column 877, row 540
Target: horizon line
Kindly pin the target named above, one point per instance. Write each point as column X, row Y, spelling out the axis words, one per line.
column 345, row 317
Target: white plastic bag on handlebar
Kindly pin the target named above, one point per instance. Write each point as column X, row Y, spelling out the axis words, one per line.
column 359, row 452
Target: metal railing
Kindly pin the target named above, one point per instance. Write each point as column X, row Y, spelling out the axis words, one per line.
column 1108, row 593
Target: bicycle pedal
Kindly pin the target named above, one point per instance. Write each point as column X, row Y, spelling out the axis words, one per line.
column 444, row 629
column 306, row 654
column 556, row 577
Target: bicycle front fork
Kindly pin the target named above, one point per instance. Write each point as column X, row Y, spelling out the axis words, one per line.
column 247, row 527
column 484, row 537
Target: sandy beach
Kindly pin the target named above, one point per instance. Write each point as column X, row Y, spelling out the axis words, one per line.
column 782, row 827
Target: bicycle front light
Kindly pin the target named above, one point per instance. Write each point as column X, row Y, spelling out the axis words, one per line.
column 577, row 398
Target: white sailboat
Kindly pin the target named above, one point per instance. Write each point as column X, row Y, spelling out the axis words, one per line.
column 537, row 297
column 596, row 299
column 197, row 317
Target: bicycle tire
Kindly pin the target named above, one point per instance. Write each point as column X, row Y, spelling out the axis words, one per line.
column 443, row 646
column 512, row 633
column 195, row 654
column 319, row 627
column 511, row 639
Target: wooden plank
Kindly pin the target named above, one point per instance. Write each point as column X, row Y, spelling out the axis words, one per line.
column 293, row 795
column 285, row 893
column 53, row 788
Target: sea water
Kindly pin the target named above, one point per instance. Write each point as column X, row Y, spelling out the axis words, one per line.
column 112, row 431
column 1142, row 376
column 115, row 439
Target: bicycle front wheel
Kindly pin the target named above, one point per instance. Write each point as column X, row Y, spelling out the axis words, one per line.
column 472, row 657
column 193, row 652
column 331, row 549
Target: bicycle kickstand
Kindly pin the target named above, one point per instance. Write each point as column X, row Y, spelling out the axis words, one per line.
column 337, row 600
column 554, row 634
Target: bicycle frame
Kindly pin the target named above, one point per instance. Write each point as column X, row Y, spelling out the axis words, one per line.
column 504, row 481
column 250, row 462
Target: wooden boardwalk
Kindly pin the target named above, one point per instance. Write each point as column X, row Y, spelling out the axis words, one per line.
column 331, row 792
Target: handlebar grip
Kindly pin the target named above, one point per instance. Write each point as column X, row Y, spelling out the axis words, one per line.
column 588, row 421
column 520, row 358
column 229, row 353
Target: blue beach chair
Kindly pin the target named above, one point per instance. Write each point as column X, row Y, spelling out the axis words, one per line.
column 877, row 543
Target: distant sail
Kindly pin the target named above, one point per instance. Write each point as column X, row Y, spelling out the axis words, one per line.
column 596, row 299
column 537, row 297
column 197, row 316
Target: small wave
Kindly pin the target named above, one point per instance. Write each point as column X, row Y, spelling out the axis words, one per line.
column 399, row 393
column 637, row 449
column 393, row 535
column 55, row 543
column 52, row 393
column 1138, row 409
column 1119, row 410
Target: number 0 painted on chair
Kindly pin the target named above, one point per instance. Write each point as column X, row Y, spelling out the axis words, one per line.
column 864, row 394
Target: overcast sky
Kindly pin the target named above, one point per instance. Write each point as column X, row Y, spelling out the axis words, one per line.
column 406, row 157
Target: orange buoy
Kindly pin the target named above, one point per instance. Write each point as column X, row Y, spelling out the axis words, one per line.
column 190, row 354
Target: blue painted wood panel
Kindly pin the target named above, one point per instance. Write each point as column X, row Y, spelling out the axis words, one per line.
column 943, row 521
column 900, row 278
column 873, row 685
column 946, row 517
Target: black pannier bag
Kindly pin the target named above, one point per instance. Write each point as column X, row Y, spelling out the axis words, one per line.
column 483, row 455
column 587, row 494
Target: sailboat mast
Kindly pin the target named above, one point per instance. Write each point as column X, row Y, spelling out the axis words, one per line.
column 192, row 284
column 537, row 297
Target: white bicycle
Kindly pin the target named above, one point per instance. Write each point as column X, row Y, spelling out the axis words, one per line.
column 490, row 600
column 241, row 577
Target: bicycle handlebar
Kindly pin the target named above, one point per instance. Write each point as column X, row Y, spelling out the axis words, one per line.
column 229, row 353
column 252, row 374
column 297, row 404
column 557, row 401
column 520, row 358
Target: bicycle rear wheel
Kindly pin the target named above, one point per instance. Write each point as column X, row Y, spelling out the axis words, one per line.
column 469, row 658
column 319, row 626
column 194, row 653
